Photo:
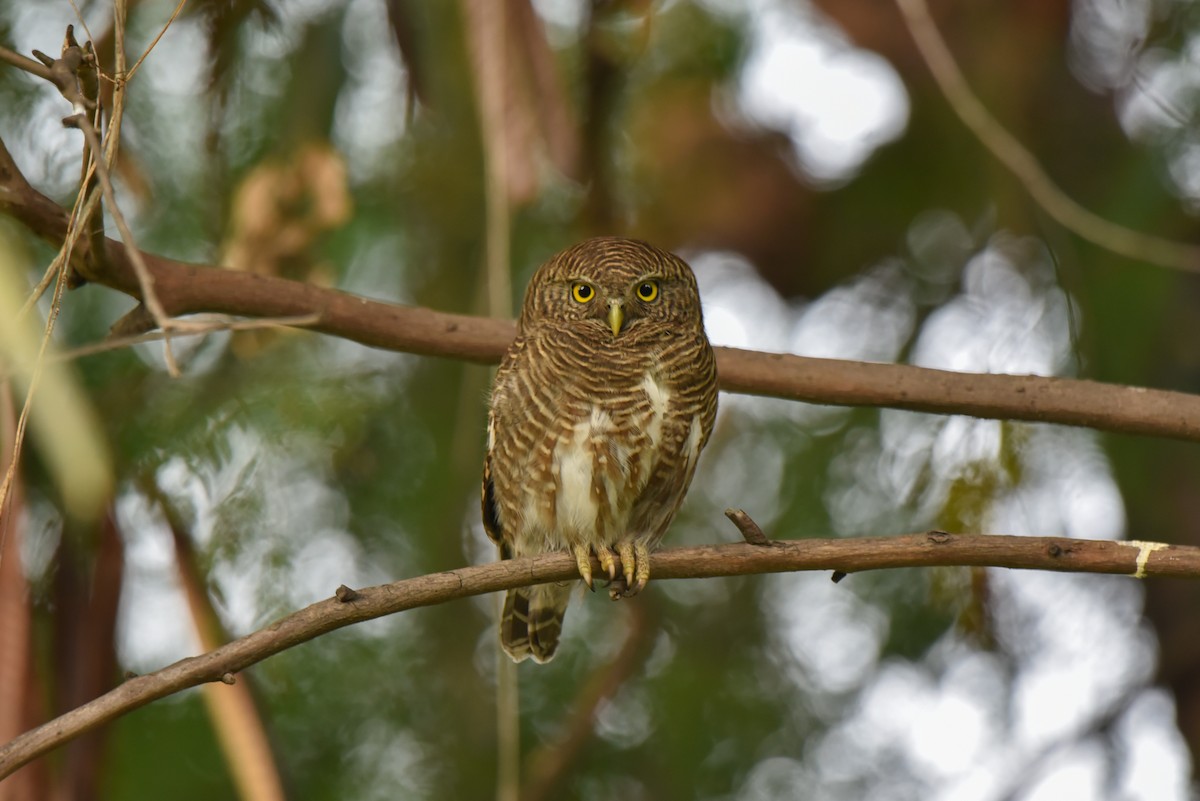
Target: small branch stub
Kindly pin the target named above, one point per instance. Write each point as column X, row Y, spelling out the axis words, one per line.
column 750, row 530
column 346, row 595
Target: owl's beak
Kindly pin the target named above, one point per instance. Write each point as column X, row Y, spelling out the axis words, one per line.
column 616, row 316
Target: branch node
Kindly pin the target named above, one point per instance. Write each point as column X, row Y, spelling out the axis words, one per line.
column 134, row 322
column 228, row 678
column 750, row 530
column 346, row 595
column 838, row 575
column 1054, row 550
column 938, row 537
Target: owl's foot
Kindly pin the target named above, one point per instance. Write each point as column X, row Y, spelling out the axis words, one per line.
column 635, row 570
column 641, row 553
column 583, row 560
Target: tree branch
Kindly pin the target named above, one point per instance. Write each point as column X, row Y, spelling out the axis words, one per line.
column 931, row 549
column 25, row 63
column 189, row 289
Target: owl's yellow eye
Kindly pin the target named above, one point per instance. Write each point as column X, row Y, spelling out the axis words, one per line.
column 582, row 292
column 648, row 291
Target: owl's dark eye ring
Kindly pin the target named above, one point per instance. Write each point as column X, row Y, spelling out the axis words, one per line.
column 582, row 293
column 647, row 291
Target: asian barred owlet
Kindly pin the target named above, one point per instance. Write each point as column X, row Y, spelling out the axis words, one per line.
column 598, row 414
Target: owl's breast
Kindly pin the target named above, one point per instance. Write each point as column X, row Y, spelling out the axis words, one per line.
column 592, row 435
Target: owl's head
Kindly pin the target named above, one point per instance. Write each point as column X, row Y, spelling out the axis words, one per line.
column 614, row 285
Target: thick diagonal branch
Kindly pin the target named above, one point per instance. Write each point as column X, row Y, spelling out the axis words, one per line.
column 930, row 549
column 189, row 289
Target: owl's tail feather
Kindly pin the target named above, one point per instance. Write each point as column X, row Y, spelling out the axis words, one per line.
column 532, row 621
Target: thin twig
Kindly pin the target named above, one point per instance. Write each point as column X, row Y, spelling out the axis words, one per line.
column 63, row 72
column 1021, row 163
column 25, row 63
column 145, row 279
column 82, row 22
column 197, row 326
column 154, row 42
column 64, row 254
column 64, row 75
column 93, row 220
column 35, row 377
column 203, row 326
column 931, row 549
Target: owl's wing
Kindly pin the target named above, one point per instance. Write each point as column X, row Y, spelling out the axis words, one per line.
column 491, row 518
column 488, row 503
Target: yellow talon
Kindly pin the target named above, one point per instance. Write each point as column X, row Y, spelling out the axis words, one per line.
column 628, row 563
column 583, row 560
column 642, row 554
column 607, row 561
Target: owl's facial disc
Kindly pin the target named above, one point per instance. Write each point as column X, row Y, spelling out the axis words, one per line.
column 616, row 315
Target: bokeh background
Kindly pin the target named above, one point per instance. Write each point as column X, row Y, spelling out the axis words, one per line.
column 803, row 160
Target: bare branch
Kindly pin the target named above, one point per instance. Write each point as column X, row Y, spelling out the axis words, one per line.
column 931, row 549
column 185, row 288
column 25, row 63
column 189, row 288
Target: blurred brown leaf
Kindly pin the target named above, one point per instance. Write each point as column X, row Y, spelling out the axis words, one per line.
column 282, row 208
column 704, row 184
column 89, row 573
column 522, row 104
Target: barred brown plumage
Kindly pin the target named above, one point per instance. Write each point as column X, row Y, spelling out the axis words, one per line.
column 598, row 414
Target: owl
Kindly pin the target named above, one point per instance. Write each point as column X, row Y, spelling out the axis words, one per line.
column 598, row 414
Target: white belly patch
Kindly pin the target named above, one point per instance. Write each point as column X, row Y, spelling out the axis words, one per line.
column 577, row 507
column 660, row 400
column 592, row 472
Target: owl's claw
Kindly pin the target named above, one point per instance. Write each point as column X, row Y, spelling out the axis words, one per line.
column 583, row 560
column 635, row 570
column 628, row 560
column 607, row 561
column 642, row 558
